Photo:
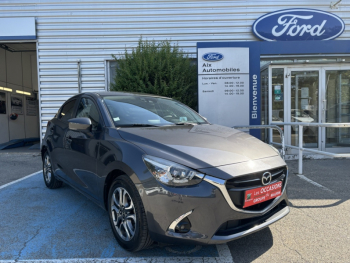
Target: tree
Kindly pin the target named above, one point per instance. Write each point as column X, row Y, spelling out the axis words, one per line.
column 157, row 68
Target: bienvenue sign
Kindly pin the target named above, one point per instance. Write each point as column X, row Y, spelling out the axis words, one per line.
column 298, row 24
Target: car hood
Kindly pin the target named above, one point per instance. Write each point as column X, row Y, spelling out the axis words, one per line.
column 198, row 146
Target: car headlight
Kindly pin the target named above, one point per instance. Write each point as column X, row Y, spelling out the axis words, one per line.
column 170, row 173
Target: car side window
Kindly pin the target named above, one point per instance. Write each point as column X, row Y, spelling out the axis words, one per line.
column 67, row 111
column 88, row 109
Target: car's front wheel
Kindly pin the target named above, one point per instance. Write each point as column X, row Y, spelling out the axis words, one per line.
column 127, row 215
column 49, row 177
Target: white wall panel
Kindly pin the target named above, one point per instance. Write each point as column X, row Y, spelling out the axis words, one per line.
column 34, row 68
column 92, row 30
column 27, row 70
column 31, row 124
column 4, row 118
column 16, row 127
column 2, row 66
column 14, row 69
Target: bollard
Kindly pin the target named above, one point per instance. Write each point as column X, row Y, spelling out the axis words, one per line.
column 300, row 161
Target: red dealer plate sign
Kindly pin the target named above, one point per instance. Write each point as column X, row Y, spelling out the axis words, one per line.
column 262, row 194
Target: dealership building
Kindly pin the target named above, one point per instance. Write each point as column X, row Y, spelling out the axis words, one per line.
column 258, row 61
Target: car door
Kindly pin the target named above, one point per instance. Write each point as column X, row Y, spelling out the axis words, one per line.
column 83, row 148
column 57, row 131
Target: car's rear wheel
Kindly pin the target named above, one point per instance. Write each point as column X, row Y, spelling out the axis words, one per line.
column 49, row 177
column 127, row 215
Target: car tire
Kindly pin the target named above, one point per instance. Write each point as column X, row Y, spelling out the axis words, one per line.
column 127, row 215
column 49, row 177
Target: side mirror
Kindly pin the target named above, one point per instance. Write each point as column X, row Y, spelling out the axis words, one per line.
column 80, row 124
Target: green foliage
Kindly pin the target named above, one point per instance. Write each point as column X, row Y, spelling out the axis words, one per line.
column 160, row 69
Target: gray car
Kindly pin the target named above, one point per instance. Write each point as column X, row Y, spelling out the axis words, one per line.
column 162, row 171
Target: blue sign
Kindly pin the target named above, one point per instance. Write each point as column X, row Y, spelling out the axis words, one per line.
column 298, row 24
column 213, row 56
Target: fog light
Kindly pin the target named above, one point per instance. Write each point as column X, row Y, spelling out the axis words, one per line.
column 181, row 224
column 184, row 226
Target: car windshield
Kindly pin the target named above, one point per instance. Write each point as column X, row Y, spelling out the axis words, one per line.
column 133, row 110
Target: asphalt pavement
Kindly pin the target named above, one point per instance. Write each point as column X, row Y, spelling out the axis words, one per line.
column 318, row 226
column 18, row 162
column 316, row 230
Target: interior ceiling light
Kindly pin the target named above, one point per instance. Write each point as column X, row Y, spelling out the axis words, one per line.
column 23, row 92
column 6, row 89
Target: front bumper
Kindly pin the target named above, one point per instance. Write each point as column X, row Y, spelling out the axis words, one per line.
column 262, row 223
column 211, row 209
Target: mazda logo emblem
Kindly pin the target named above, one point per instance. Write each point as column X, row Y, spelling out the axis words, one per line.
column 266, row 178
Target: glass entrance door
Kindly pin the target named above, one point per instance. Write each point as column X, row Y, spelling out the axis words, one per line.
column 311, row 94
column 304, row 87
column 337, row 109
column 294, row 96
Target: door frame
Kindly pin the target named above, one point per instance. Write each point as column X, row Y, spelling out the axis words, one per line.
column 287, row 69
column 324, row 101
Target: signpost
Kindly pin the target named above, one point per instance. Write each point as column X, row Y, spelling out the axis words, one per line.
column 223, row 85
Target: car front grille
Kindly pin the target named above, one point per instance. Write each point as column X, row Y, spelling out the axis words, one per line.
column 237, row 186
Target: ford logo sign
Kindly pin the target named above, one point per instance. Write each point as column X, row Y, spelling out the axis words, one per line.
column 213, row 56
column 298, row 24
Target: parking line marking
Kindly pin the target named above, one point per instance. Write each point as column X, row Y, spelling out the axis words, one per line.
column 314, row 183
column 21, row 179
column 223, row 250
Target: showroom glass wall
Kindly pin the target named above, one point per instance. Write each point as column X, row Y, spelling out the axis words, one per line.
column 314, row 90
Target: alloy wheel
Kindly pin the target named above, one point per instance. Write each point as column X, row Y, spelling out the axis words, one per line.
column 47, row 169
column 123, row 213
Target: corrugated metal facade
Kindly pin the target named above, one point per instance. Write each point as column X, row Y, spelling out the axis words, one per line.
column 90, row 31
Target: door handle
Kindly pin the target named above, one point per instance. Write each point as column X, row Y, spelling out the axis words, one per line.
column 69, row 139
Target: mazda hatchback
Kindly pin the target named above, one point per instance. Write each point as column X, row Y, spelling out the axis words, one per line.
column 162, row 171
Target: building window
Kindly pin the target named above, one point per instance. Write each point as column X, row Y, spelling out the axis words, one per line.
column 112, row 65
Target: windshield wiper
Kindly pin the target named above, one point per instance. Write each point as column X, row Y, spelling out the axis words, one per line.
column 138, row 125
column 186, row 123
